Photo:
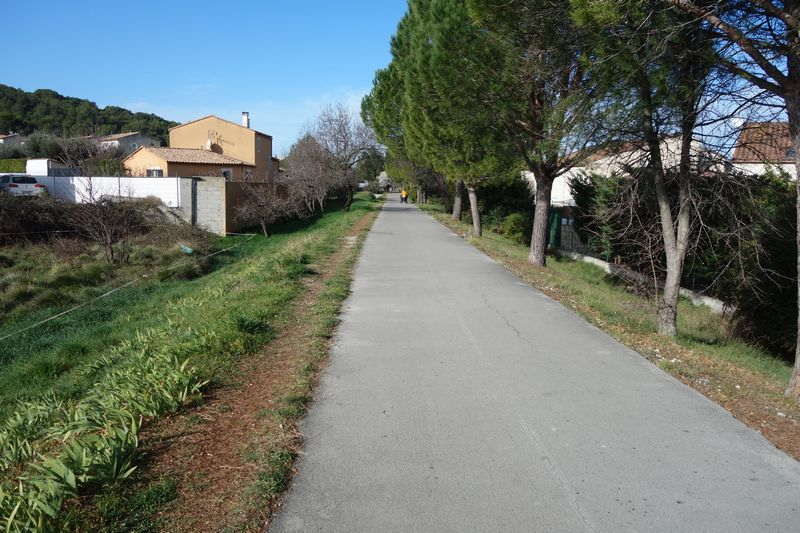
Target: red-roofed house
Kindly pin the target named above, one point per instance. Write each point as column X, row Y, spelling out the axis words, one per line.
column 764, row 146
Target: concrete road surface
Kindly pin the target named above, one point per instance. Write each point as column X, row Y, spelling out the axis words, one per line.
column 459, row 399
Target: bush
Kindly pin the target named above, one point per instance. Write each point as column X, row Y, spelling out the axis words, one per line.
column 514, row 226
column 30, row 218
column 185, row 268
column 766, row 308
column 755, row 270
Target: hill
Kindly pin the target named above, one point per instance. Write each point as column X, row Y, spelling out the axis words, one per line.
column 47, row 111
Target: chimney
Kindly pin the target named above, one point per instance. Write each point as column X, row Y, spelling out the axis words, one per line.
column 245, row 119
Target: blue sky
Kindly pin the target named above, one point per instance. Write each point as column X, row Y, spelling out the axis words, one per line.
column 281, row 60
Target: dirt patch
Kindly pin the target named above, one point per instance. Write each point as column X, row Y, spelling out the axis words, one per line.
column 216, row 450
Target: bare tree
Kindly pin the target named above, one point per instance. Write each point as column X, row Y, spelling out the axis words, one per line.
column 308, row 167
column 347, row 141
column 111, row 223
column 267, row 202
column 89, row 158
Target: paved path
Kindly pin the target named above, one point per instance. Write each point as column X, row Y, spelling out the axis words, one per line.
column 459, row 399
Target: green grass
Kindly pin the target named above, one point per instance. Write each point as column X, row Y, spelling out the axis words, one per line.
column 131, row 510
column 273, row 463
column 12, row 165
column 100, row 364
column 605, row 302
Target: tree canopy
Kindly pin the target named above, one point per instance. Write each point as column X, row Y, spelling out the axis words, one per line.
column 46, row 111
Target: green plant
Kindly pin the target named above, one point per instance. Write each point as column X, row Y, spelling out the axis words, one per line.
column 89, row 378
column 513, row 227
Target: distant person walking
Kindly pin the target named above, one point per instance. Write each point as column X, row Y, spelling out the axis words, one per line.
column 403, row 196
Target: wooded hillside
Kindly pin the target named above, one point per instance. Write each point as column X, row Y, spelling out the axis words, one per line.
column 47, row 111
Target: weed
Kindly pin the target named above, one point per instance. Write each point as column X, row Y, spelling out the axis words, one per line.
column 132, row 510
column 294, row 405
column 275, row 476
column 254, row 326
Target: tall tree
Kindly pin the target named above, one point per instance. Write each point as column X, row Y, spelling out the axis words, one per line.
column 759, row 40
column 657, row 65
column 382, row 110
column 543, row 93
column 448, row 73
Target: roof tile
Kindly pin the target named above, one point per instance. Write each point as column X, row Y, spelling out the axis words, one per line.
column 764, row 142
column 193, row 155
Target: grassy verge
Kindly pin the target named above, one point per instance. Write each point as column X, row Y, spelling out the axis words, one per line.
column 147, row 351
column 746, row 380
column 273, row 462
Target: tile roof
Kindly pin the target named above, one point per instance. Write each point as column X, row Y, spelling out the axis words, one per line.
column 192, row 155
column 764, row 142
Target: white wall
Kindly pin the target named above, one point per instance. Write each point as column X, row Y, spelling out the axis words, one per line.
column 762, row 168
column 84, row 189
column 561, row 195
column 616, row 163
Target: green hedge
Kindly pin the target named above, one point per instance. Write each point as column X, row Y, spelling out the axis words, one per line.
column 12, row 165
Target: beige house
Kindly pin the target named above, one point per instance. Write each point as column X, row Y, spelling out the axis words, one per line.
column 156, row 162
column 208, row 146
column 127, row 141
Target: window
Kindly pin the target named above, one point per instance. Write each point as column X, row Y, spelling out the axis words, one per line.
column 4, row 180
column 25, row 180
column 226, row 173
column 155, row 173
column 790, row 152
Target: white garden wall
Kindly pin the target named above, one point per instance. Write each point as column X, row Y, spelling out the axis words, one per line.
column 87, row 189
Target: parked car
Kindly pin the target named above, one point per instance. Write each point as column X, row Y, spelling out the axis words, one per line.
column 17, row 185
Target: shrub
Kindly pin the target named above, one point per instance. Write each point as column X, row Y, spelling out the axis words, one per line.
column 253, row 326
column 30, row 219
column 514, row 226
column 185, row 268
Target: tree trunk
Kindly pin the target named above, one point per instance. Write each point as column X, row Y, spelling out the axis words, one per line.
column 476, row 216
column 348, row 198
column 264, row 228
column 676, row 240
column 457, row 200
column 541, row 216
column 793, row 108
column 668, row 303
